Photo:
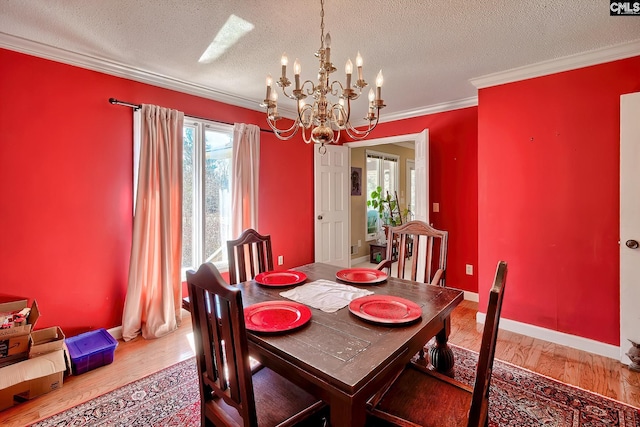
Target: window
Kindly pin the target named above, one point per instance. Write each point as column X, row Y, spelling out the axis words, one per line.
column 206, row 199
column 382, row 171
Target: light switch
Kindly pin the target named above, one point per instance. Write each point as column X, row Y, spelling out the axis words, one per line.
column 436, row 207
column 280, row 259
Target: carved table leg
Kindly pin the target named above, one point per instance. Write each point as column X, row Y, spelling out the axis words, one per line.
column 440, row 353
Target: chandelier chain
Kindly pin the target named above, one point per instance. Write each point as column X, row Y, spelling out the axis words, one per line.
column 321, row 24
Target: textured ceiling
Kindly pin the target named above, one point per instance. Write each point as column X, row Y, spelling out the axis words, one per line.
column 429, row 50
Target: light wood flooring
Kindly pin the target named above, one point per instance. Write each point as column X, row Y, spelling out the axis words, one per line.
column 139, row 358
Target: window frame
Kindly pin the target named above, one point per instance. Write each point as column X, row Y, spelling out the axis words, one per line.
column 382, row 156
column 201, row 126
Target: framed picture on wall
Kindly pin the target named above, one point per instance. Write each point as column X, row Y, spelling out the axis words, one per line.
column 356, row 181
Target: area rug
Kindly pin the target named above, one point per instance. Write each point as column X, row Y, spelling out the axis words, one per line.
column 170, row 397
column 519, row 398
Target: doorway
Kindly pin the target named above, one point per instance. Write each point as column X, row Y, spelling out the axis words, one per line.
column 417, row 144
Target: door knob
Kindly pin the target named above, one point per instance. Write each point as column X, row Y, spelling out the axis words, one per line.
column 633, row 244
column 320, row 217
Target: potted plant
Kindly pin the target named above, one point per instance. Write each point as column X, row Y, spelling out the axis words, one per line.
column 385, row 206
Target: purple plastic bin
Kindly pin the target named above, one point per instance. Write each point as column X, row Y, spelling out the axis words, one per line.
column 91, row 350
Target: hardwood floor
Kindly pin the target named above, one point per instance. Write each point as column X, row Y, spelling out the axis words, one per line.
column 132, row 360
column 139, row 358
column 599, row 374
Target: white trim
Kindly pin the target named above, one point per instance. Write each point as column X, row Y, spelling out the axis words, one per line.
column 430, row 109
column 113, row 68
column 361, row 260
column 471, row 296
column 573, row 341
column 379, row 141
column 571, row 62
column 95, row 63
column 121, row 70
column 116, row 332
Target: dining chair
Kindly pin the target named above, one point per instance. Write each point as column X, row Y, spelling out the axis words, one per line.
column 230, row 393
column 407, row 242
column 419, row 396
column 249, row 255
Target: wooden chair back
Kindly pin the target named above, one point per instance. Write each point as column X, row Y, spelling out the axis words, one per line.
column 220, row 340
column 478, row 414
column 249, row 255
column 423, row 246
column 420, row 396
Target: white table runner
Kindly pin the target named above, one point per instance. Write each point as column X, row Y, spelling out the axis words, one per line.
column 325, row 295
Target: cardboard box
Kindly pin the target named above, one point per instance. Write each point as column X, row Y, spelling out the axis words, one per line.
column 31, row 378
column 14, row 341
column 13, row 306
column 46, row 341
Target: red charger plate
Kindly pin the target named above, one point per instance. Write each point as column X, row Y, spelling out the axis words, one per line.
column 362, row 275
column 276, row 316
column 386, row 309
column 280, row 278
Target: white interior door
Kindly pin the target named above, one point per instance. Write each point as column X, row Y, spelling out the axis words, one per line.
column 422, row 193
column 422, row 176
column 629, row 222
column 410, row 187
column 332, row 227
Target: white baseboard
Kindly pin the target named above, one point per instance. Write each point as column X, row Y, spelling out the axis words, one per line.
column 471, row 296
column 116, row 332
column 361, row 260
column 556, row 337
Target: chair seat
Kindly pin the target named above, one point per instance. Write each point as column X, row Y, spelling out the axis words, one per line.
column 419, row 396
column 233, row 391
column 186, row 304
column 278, row 400
column 440, row 402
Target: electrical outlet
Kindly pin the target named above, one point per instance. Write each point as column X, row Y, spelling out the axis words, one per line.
column 280, row 260
column 436, row 207
column 359, row 243
column 469, row 269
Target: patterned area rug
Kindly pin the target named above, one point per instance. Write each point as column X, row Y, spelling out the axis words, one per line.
column 519, row 398
column 522, row 398
column 170, row 397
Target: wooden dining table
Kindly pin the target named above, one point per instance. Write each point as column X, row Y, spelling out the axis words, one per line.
column 341, row 358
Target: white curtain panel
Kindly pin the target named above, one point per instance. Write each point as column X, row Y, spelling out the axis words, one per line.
column 154, row 293
column 137, row 140
column 245, row 175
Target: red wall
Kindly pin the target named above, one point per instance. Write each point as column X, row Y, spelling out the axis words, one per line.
column 66, row 172
column 547, row 205
column 548, row 190
column 453, row 182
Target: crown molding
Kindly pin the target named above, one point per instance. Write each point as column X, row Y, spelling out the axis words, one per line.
column 431, row 109
column 117, row 69
column 571, row 62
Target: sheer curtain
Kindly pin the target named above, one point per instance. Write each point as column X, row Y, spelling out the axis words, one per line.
column 245, row 174
column 154, row 293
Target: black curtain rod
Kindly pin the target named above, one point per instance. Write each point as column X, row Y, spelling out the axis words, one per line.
column 139, row 106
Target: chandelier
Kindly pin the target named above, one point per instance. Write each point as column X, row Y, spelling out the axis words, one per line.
column 329, row 113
